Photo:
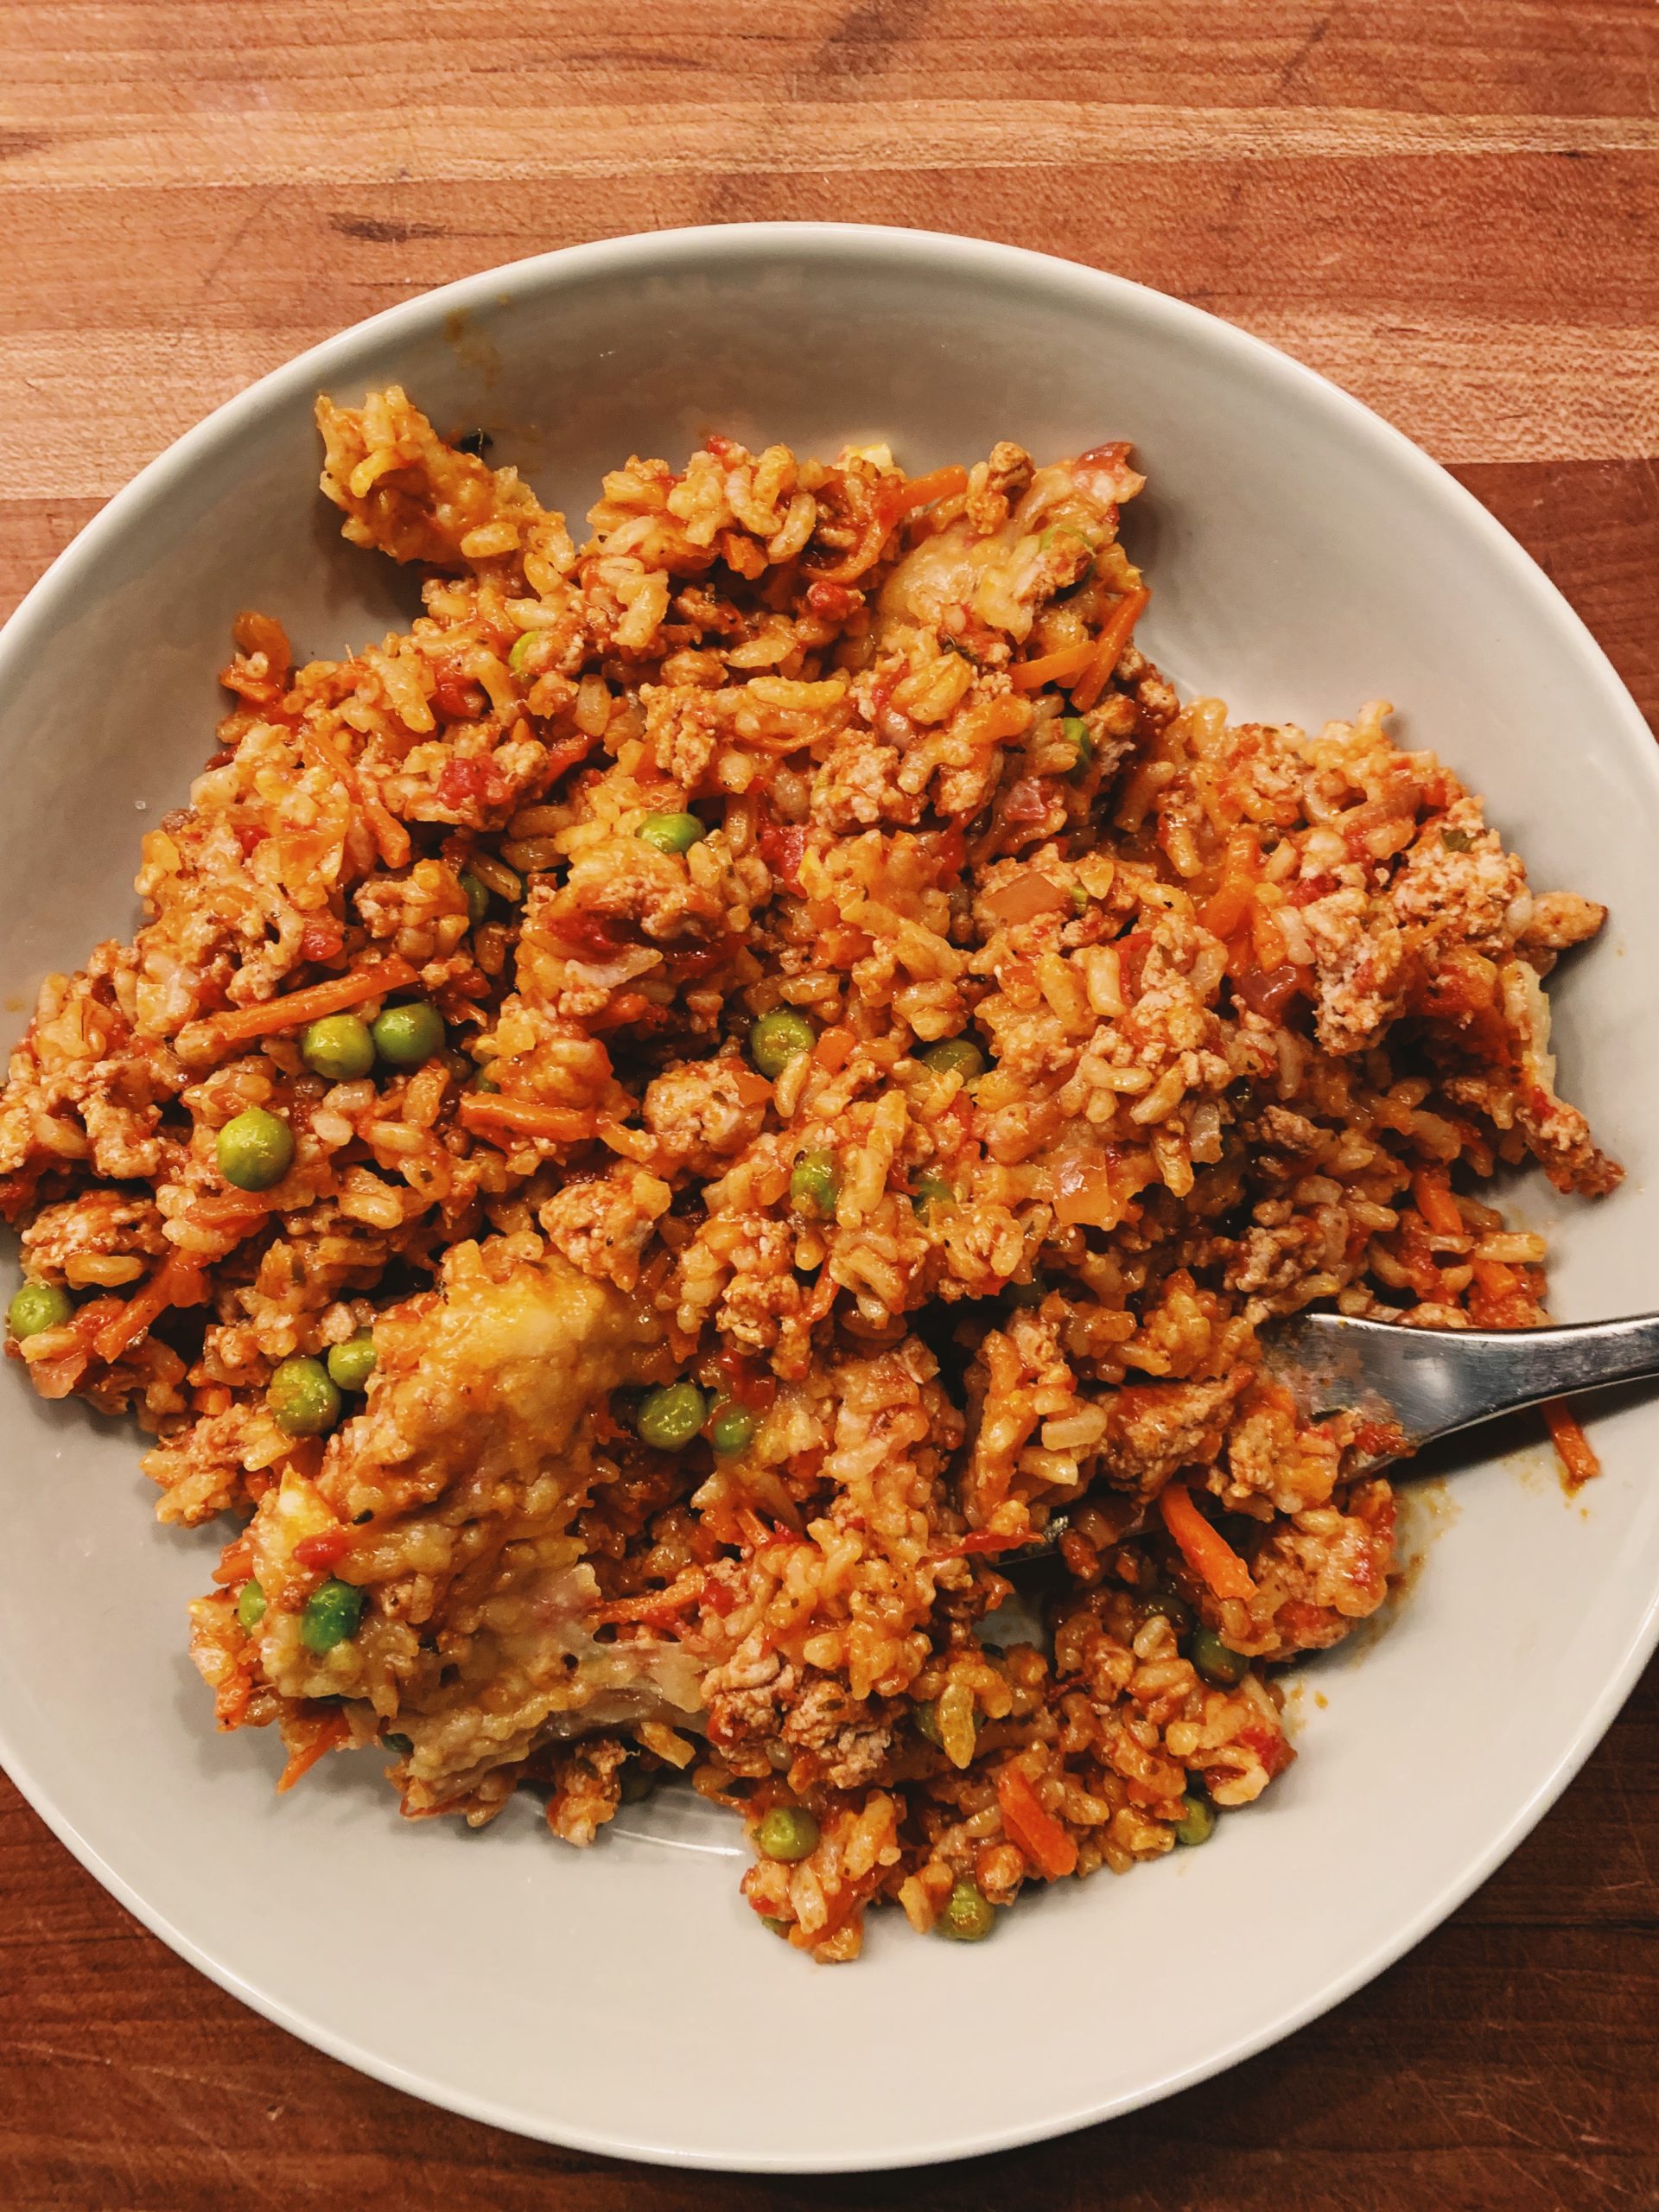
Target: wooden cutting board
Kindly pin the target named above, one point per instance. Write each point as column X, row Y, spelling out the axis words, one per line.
column 1451, row 206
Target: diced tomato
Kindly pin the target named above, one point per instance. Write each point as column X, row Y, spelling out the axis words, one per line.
column 717, row 1596
column 1303, row 893
column 783, row 847
column 248, row 837
column 1027, row 800
column 833, row 601
column 562, row 757
column 1377, row 1440
column 472, row 783
column 321, row 940
column 1132, row 952
column 745, row 1383
column 1269, row 991
column 322, row 1549
column 590, row 936
column 1271, row 1748
column 455, row 697
column 689, row 966
column 949, row 848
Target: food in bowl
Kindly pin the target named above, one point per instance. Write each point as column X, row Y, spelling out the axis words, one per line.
column 667, row 1125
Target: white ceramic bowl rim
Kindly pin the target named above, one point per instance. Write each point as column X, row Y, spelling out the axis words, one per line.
column 332, row 359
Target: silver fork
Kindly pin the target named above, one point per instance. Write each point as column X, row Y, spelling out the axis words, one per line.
column 1423, row 1383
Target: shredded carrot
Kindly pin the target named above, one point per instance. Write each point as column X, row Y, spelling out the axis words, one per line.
column 1052, row 668
column 785, row 741
column 524, row 1117
column 1266, row 939
column 1432, row 1197
column 1026, row 896
column 231, row 1697
column 923, row 490
column 1222, row 913
column 331, row 1733
column 1495, row 1278
column 1037, row 1834
column 835, row 1048
column 332, row 997
column 751, row 1088
column 632, row 1144
column 754, row 1527
column 392, row 839
column 656, row 1606
column 239, row 1210
column 177, row 1282
column 1205, row 1550
column 1109, row 649
column 1577, row 1451
column 627, row 1006
column 989, row 1541
column 236, row 1561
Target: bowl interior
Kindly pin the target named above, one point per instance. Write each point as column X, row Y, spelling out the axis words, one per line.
column 1304, row 560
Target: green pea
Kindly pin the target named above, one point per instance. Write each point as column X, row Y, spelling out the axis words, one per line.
column 733, row 1431
column 1175, row 1609
column 339, row 1046
column 38, row 1307
column 779, row 1038
column 815, row 1185
column 670, row 1417
column 409, row 1036
column 1216, row 1661
column 476, row 894
column 302, row 1400
column 671, row 833
column 332, row 1615
column 788, row 1832
column 523, row 646
column 1455, row 841
column 250, row 1606
column 931, row 1190
column 926, row 1717
column 1077, row 729
column 351, row 1364
column 485, row 1079
column 969, row 1916
column 637, row 1781
column 1198, row 1821
column 956, row 1056
column 255, row 1149
column 1027, row 1293
column 402, row 1745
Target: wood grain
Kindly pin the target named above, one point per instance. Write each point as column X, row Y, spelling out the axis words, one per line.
column 1449, row 206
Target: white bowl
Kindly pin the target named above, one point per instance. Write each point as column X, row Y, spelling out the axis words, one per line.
column 1305, row 558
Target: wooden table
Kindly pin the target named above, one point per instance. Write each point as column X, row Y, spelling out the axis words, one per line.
column 1451, row 206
